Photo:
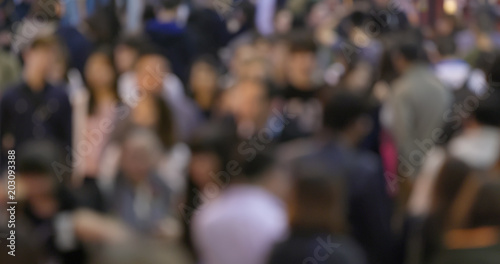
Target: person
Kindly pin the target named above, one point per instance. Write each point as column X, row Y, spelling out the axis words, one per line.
column 452, row 71
column 476, row 237
column 210, row 153
column 95, row 119
column 101, row 107
column 477, row 128
column 139, row 196
column 249, row 102
column 427, row 230
column 204, row 84
column 34, row 109
column 43, row 225
column 316, row 212
column 300, row 91
column 405, row 116
column 369, row 207
column 245, row 220
column 152, row 77
column 172, row 38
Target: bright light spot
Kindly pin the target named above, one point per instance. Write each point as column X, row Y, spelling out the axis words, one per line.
column 450, row 6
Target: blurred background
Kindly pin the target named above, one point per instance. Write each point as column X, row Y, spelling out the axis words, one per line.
column 251, row 132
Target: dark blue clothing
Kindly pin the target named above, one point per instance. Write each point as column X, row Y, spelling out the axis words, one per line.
column 317, row 247
column 174, row 43
column 369, row 205
column 79, row 47
column 28, row 115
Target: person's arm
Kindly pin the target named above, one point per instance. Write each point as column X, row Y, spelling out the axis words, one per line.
column 402, row 129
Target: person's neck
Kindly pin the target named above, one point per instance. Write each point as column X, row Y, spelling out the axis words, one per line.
column 104, row 95
column 35, row 83
column 204, row 100
column 479, row 237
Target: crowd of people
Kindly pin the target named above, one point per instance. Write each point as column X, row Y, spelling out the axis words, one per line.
column 250, row 132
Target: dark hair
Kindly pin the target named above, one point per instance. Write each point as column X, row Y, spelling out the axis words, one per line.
column 488, row 110
column 136, row 42
column 317, row 200
column 486, row 208
column 165, row 126
column 37, row 157
column 214, row 137
column 445, row 45
column 256, row 167
column 45, row 42
column 92, row 100
column 449, row 180
column 301, row 40
column 410, row 45
column 46, row 10
column 169, row 4
column 342, row 110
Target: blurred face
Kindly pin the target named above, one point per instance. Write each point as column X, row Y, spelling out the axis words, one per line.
column 255, row 69
column 40, row 193
column 202, row 164
column 99, row 72
column 124, row 58
column 250, row 102
column 37, row 185
column 38, row 60
column 150, row 71
column 243, row 54
column 300, row 67
column 203, row 78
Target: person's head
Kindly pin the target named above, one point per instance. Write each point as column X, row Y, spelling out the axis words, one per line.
column 100, row 76
column 34, row 168
column 408, row 49
column 152, row 112
column 345, row 114
column 41, row 176
column 250, row 102
column 487, row 112
column 46, row 10
column 242, row 54
column 446, row 46
column 151, row 69
column 210, row 150
column 256, row 68
column 316, row 200
column 203, row 79
column 258, row 169
column 301, row 59
column 446, row 25
column 127, row 51
column 39, row 57
column 141, row 151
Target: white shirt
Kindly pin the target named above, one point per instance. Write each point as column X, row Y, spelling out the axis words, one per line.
column 240, row 226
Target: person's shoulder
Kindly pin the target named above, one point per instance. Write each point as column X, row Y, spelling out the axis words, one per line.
column 11, row 91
